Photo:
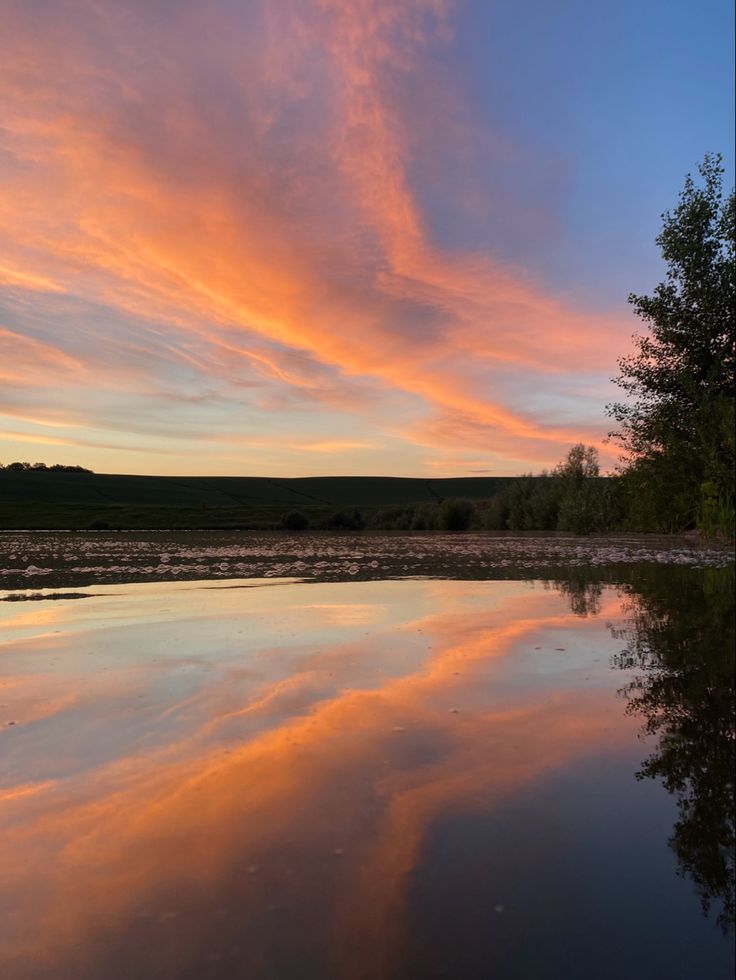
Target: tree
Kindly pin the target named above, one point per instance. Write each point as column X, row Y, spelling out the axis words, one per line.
column 585, row 502
column 580, row 463
column 677, row 431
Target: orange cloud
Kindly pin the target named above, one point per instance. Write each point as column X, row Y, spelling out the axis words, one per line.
column 268, row 199
column 24, row 360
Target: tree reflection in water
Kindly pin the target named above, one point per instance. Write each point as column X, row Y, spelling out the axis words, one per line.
column 582, row 589
column 680, row 641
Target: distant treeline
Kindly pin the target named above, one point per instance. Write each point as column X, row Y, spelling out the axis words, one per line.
column 574, row 497
column 56, row 467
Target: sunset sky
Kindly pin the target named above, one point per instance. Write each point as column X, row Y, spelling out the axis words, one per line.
column 296, row 237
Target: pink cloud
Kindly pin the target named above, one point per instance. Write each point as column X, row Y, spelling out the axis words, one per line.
column 241, row 179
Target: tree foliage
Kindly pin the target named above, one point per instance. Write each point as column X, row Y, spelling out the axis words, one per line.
column 456, row 515
column 677, row 426
column 573, row 497
column 580, row 464
column 43, row 467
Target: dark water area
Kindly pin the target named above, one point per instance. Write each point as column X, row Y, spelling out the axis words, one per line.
column 509, row 760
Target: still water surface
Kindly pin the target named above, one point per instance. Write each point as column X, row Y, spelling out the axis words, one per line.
column 415, row 778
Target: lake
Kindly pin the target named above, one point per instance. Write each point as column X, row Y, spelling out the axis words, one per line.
column 365, row 757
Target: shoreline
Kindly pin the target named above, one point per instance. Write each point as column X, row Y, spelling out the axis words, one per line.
column 32, row 561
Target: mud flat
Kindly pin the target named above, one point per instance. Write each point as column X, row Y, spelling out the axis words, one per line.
column 43, row 560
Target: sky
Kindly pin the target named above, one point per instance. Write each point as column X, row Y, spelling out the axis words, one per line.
column 302, row 237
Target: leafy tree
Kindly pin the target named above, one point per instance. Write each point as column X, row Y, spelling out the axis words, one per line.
column 677, row 429
column 520, row 503
column 587, row 502
column 576, row 473
column 580, row 464
column 573, row 497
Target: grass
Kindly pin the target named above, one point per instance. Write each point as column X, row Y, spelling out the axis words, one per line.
column 74, row 517
column 71, row 501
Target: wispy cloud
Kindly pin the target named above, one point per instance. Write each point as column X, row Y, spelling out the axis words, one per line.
column 231, row 188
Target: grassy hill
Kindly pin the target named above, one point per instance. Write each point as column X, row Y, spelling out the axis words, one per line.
column 52, row 499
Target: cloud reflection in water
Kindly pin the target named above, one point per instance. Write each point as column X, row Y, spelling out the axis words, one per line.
column 203, row 781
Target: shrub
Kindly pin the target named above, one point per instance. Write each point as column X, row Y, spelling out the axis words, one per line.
column 295, row 521
column 345, row 520
column 715, row 514
column 456, row 515
column 392, row 519
column 425, row 517
column 497, row 512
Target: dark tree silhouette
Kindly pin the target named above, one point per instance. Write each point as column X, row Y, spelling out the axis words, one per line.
column 677, row 428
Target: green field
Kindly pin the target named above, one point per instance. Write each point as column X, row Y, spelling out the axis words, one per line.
column 43, row 499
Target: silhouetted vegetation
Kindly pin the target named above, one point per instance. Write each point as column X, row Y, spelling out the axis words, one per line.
column 573, row 497
column 43, row 467
column 456, row 515
column 677, row 428
column 295, row 521
column 344, row 520
column 98, row 525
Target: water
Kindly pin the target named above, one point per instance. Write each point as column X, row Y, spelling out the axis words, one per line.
column 519, row 770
